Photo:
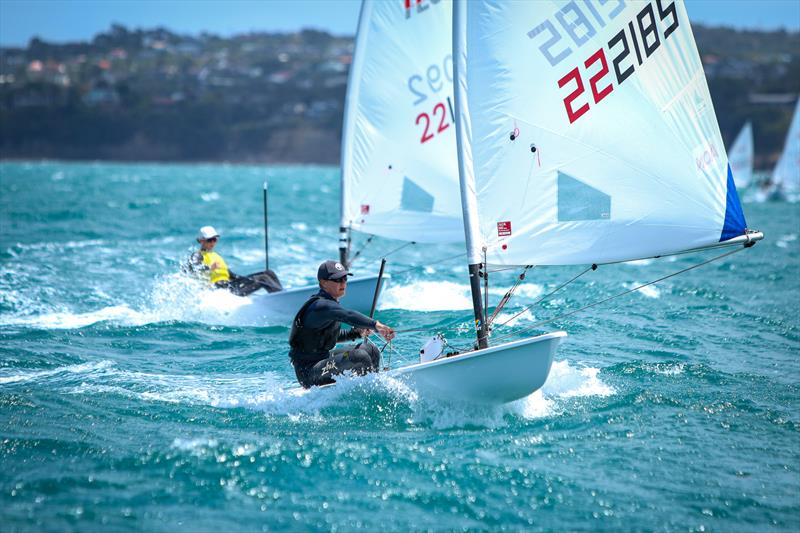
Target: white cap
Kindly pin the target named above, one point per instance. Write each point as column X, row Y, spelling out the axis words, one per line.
column 206, row 232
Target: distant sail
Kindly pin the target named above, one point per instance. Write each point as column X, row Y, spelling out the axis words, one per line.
column 741, row 157
column 587, row 133
column 786, row 175
column 399, row 163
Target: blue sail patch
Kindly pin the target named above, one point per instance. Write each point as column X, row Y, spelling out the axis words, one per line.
column 735, row 224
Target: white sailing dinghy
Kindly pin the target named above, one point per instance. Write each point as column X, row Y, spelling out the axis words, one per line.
column 399, row 164
column 740, row 157
column 586, row 135
column 786, row 176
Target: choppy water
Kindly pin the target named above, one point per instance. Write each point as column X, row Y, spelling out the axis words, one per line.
column 130, row 400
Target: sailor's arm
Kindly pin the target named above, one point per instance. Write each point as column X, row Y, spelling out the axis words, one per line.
column 328, row 310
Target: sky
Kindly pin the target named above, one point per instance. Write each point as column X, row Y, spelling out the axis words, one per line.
column 80, row 20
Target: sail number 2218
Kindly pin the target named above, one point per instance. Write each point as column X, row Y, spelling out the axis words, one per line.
column 642, row 30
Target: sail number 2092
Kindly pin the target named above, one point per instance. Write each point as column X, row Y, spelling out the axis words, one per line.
column 438, row 77
column 645, row 38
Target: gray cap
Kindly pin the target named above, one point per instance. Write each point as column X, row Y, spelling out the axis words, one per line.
column 332, row 270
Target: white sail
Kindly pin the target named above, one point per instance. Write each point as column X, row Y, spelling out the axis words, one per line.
column 587, row 133
column 786, row 175
column 399, row 164
column 741, row 157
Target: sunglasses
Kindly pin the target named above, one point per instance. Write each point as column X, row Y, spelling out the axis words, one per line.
column 212, row 239
column 340, row 280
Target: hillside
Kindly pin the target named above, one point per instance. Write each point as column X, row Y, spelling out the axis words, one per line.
column 156, row 95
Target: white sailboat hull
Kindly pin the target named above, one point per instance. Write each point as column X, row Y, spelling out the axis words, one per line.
column 494, row 375
column 359, row 295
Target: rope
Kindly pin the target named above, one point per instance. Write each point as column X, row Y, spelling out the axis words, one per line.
column 398, row 249
column 507, row 295
column 512, row 267
column 546, row 296
column 384, row 255
column 543, row 322
column 355, row 256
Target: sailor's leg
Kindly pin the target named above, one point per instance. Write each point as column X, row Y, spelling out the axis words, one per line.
column 368, row 347
column 243, row 286
column 314, row 376
column 266, row 279
column 352, row 358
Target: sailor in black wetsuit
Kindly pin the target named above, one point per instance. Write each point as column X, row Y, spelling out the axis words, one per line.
column 315, row 332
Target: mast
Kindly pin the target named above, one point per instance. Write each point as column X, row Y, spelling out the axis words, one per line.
column 266, row 228
column 469, row 203
column 350, row 107
column 344, row 246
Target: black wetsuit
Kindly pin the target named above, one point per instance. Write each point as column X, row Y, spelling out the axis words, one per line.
column 315, row 332
column 238, row 285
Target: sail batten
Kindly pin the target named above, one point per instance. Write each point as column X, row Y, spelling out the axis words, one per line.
column 399, row 164
column 587, row 142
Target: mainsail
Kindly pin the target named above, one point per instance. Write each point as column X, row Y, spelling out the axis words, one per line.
column 587, row 134
column 399, row 164
column 741, row 157
column 786, row 175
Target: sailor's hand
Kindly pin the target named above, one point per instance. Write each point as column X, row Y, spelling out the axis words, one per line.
column 214, row 265
column 363, row 332
column 385, row 331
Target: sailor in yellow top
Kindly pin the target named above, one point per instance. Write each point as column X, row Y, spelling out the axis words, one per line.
column 209, row 264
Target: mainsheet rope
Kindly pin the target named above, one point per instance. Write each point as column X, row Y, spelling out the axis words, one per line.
column 575, row 311
column 570, row 313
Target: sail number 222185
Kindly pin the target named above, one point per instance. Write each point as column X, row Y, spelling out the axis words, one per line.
column 642, row 35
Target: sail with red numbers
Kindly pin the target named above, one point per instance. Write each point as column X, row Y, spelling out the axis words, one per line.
column 587, row 134
column 399, row 164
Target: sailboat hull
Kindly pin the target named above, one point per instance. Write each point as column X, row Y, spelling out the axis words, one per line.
column 494, row 375
column 359, row 295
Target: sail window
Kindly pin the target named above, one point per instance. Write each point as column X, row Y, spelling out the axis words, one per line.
column 579, row 201
column 415, row 198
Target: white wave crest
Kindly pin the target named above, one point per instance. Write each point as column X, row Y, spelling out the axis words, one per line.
column 650, row 291
column 565, row 381
column 427, row 296
column 82, row 368
column 784, row 240
column 68, row 320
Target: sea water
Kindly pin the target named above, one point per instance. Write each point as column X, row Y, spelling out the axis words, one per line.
column 132, row 400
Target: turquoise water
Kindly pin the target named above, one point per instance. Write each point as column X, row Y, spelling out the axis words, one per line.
column 132, row 400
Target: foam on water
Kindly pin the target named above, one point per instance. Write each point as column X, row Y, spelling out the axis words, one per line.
column 423, row 295
column 173, row 297
column 427, row 296
column 7, row 377
column 121, row 314
column 650, row 291
column 512, row 318
column 268, row 393
column 784, row 240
